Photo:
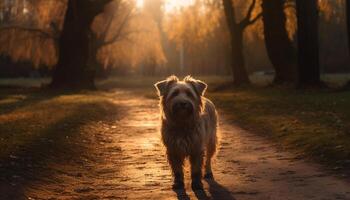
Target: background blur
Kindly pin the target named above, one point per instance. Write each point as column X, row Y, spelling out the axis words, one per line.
column 161, row 37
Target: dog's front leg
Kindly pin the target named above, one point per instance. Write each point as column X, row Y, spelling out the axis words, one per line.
column 176, row 162
column 196, row 160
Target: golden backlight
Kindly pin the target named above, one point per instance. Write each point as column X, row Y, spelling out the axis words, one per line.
column 139, row 3
column 174, row 5
column 169, row 5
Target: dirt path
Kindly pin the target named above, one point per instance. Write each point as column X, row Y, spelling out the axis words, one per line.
column 124, row 159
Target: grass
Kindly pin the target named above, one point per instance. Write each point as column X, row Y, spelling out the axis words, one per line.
column 314, row 122
column 30, row 116
column 311, row 122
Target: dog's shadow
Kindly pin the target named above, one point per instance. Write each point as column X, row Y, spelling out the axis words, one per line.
column 216, row 191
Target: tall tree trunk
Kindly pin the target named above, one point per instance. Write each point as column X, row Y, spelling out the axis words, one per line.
column 347, row 2
column 279, row 48
column 240, row 75
column 72, row 70
column 308, row 47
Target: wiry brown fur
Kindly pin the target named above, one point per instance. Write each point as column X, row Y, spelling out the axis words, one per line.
column 193, row 137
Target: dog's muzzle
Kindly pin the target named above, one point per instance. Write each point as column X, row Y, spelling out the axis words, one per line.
column 182, row 108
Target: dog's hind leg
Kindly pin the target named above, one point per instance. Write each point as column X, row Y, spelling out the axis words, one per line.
column 176, row 162
column 210, row 151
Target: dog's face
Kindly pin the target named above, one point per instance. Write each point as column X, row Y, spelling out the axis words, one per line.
column 181, row 100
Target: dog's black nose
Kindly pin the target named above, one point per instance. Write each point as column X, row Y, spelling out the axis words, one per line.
column 183, row 106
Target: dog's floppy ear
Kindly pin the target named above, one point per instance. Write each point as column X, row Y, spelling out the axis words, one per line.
column 198, row 85
column 163, row 86
column 201, row 87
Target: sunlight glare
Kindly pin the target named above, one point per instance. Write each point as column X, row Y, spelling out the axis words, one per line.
column 174, row 5
column 139, row 3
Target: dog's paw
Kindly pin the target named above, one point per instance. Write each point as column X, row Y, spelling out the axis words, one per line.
column 209, row 176
column 178, row 185
column 197, row 185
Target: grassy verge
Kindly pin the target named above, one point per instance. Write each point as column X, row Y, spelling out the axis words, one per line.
column 313, row 122
column 39, row 121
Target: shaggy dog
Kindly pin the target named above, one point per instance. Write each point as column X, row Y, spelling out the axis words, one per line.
column 189, row 123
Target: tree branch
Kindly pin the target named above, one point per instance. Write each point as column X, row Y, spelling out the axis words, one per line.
column 250, row 10
column 119, row 31
column 256, row 18
column 124, row 36
column 247, row 20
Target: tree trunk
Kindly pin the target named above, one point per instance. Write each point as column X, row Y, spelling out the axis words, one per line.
column 278, row 45
column 308, row 47
column 240, row 75
column 347, row 2
column 72, row 70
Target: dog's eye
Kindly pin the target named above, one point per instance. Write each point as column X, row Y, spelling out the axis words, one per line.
column 175, row 93
column 189, row 94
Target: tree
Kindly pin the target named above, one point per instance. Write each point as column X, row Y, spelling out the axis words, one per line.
column 31, row 33
column 240, row 74
column 348, row 20
column 72, row 69
column 109, row 29
column 279, row 48
column 347, row 2
column 308, row 46
column 77, row 37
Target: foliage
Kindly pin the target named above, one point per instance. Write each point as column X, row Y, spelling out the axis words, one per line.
column 133, row 34
column 30, row 33
column 34, row 36
column 30, row 30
